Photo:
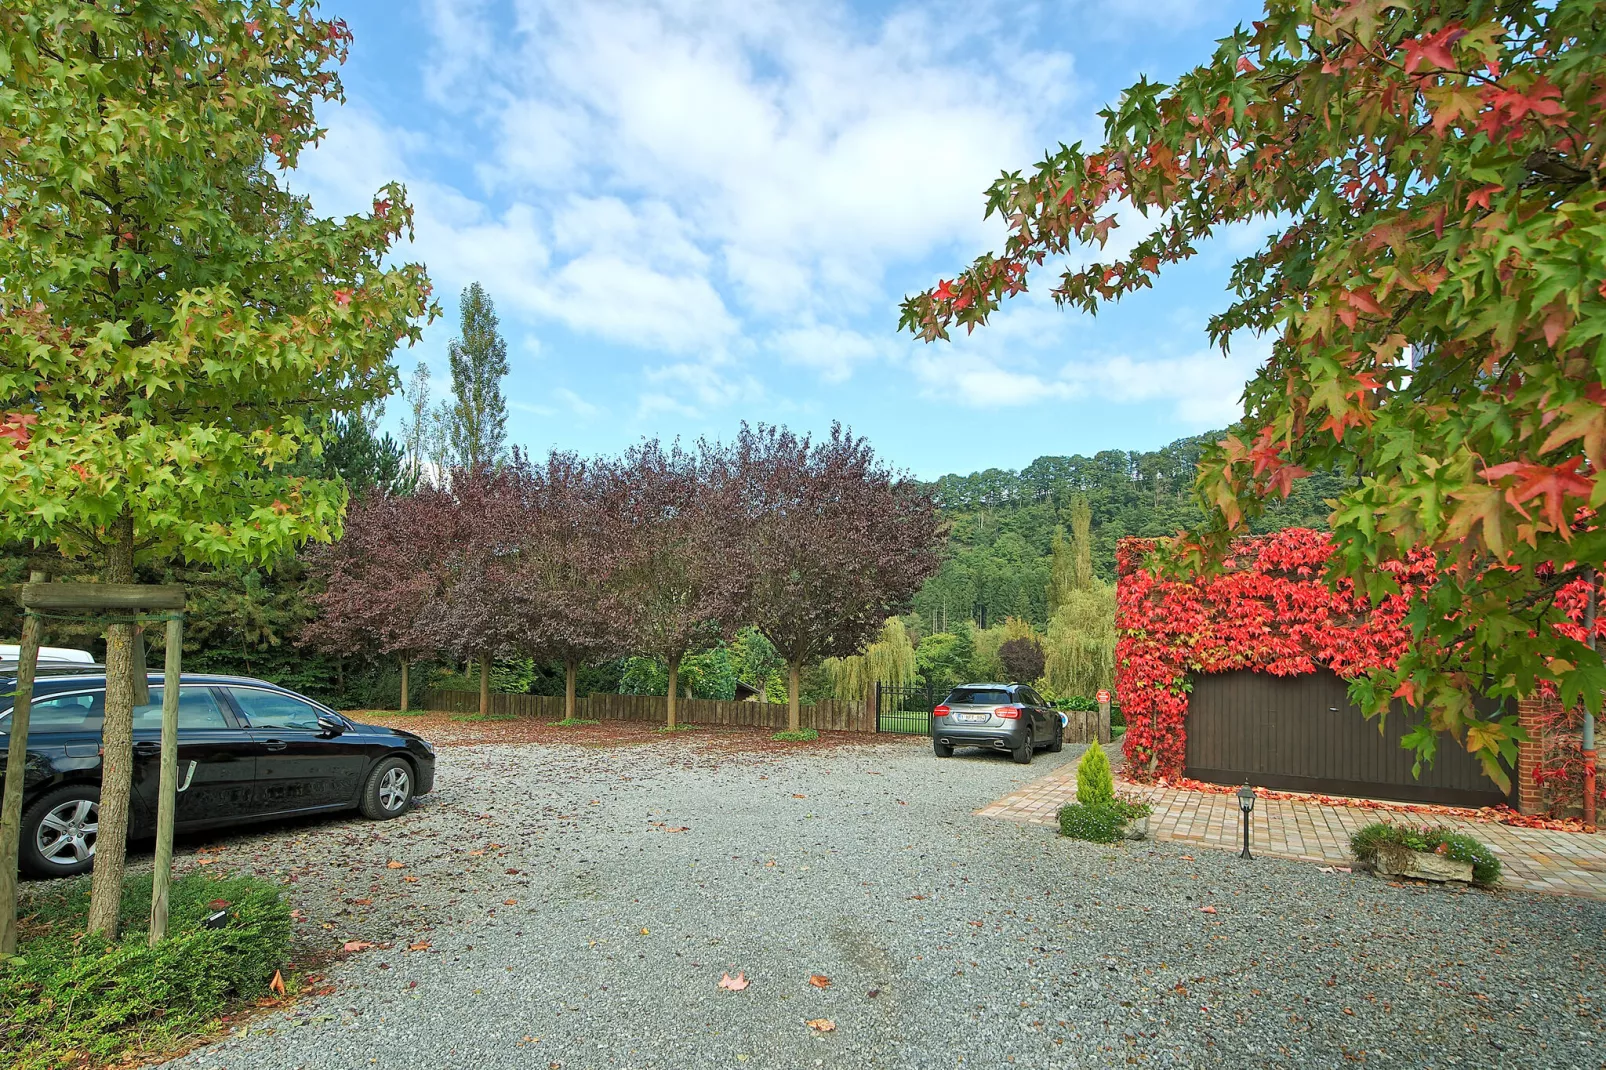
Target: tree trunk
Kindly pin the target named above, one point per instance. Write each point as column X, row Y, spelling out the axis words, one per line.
column 485, row 686
column 674, row 687
column 571, row 670
column 793, row 716
column 117, row 746
column 404, row 685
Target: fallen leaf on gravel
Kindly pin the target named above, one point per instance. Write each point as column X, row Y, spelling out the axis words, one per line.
column 820, row 1025
column 410, row 880
column 645, row 930
column 734, row 984
column 510, row 902
column 819, row 980
column 475, row 854
column 422, row 945
column 1187, row 858
column 362, row 902
column 357, row 945
column 512, row 873
column 873, row 993
column 393, row 864
column 277, row 984
column 916, row 897
column 682, row 828
column 1207, row 910
column 205, row 861
column 1349, row 1012
column 797, row 796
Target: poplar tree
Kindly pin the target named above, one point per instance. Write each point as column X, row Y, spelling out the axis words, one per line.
column 478, row 420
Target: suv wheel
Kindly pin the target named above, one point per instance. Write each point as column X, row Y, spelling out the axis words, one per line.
column 1023, row 753
column 941, row 749
column 59, row 832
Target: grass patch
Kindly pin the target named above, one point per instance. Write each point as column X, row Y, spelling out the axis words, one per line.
column 570, row 722
column 69, row 999
column 802, row 735
column 1380, row 835
column 677, row 728
column 1100, row 822
column 485, row 717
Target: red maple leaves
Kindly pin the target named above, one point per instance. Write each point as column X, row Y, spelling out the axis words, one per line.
column 1554, row 483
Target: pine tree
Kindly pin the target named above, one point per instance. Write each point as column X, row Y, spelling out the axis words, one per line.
column 478, row 426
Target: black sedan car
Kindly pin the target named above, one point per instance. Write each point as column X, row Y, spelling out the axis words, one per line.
column 1007, row 717
column 247, row 751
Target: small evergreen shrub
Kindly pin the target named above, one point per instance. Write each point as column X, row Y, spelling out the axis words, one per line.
column 570, row 722
column 68, row 999
column 802, row 735
column 1380, row 835
column 1095, row 784
column 1103, row 822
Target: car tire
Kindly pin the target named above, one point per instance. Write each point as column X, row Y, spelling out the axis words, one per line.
column 1023, row 753
column 389, row 790
column 941, row 749
column 59, row 832
column 1056, row 742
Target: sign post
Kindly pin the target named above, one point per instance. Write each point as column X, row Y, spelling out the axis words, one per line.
column 1104, row 715
column 16, row 763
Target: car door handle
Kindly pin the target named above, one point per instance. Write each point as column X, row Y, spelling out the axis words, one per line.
column 274, row 744
column 146, row 748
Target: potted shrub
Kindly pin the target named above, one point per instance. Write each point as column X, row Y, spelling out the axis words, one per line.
column 1425, row 853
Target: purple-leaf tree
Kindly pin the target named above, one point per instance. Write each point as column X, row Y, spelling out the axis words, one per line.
column 676, row 582
column 376, row 583
column 834, row 542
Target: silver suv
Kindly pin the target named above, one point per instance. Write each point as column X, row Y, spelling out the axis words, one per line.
column 1009, row 717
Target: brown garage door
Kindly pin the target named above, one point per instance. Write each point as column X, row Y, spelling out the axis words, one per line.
column 1301, row 733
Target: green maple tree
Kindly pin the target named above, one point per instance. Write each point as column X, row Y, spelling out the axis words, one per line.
column 1435, row 289
column 175, row 324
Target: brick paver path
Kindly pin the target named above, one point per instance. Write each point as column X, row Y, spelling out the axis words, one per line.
column 1571, row 863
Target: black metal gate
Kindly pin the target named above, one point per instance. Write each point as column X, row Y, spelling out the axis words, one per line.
column 1301, row 733
column 905, row 709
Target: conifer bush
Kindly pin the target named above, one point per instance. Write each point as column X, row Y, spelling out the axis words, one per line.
column 1095, row 783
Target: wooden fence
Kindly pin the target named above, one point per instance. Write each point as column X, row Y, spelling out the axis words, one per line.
column 827, row 716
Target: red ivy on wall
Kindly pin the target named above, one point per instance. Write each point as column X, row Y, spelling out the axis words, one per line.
column 1270, row 610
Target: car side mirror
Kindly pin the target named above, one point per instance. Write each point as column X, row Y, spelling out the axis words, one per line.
column 330, row 727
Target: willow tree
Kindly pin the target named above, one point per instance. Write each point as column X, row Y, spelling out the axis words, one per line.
column 833, row 541
column 1434, row 288
column 174, row 323
column 888, row 659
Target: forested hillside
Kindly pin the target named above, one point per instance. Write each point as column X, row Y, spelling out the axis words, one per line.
column 1003, row 524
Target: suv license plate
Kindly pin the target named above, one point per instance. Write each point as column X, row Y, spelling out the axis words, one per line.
column 971, row 718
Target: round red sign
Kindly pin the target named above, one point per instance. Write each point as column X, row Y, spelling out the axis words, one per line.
column 1104, row 696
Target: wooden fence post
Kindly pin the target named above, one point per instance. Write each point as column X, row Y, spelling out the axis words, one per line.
column 167, row 786
column 16, row 763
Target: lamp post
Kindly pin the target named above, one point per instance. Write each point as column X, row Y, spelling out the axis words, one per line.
column 1246, row 804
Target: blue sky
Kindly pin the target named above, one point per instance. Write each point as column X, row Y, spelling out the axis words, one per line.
column 695, row 212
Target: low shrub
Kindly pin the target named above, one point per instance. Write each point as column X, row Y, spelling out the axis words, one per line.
column 1095, row 783
column 68, row 999
column 802, row 735
column 1369, row 840
column 1103, row 822
column 570, row 722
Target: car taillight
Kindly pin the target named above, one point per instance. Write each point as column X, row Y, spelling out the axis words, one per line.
column 941, row 711
column 1009, row 713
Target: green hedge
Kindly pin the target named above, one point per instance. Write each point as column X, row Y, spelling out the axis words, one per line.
column 67, row 998
column 1455, row 845
column 1103, row 822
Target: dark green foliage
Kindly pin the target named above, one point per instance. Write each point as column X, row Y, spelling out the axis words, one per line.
column 1003, row 523
column 943, row 660
column 1101, row 822
column 1368, row 841
column 68, row 996
column 802, row 735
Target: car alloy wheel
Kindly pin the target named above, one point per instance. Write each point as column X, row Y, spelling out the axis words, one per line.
column 67, row 833
column 395, row 788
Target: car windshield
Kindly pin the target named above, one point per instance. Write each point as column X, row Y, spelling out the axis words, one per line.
column 978, row 696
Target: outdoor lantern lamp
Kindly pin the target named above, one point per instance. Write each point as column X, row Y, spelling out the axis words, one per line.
column 1246, row 803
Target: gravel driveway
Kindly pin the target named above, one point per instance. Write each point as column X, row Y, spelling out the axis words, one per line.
column 576, row 906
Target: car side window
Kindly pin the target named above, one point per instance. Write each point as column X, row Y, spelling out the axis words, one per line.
column 64, row 713
column 196, row 709
column 270, row 709
column 1032, row 697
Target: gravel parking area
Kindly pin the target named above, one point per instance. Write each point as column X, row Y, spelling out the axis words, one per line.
column 564, row 905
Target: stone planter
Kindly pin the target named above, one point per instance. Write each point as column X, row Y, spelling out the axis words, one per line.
column 1420, row 865
column 1138, row 829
